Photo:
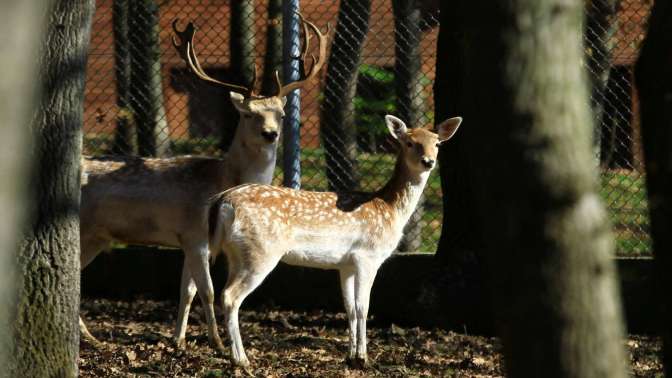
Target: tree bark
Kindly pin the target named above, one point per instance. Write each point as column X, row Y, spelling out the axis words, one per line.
column 243, row 30
column 241, row 47
column 147, row 89
column 410, row 97
column 600, row 26
column 21, row 23
column 124, row 135
column 338, row 111
column 653, row 74
column 548, row 241
column 273, row 57
column 46, row 332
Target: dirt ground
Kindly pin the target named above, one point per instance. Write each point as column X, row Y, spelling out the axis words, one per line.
column 293, row 344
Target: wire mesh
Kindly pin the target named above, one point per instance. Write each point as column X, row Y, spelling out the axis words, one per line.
column 142, row 100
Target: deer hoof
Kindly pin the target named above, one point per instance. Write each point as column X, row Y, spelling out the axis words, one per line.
column 92, row 341
column 218, row 346
column 181, row 343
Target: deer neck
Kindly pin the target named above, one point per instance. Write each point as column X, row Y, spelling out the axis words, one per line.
column 253, row 163
column 402, row 192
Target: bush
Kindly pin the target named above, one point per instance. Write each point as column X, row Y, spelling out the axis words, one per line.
column 375, row 98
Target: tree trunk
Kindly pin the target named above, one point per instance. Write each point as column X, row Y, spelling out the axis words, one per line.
column 617, row 133
column 461, row 229
column 46, row 330
column 600, row 26
column 338, row 110
column 243, row 30
column 459, row 258
column 273, row 57
column 409, row 94
column 548, row 241
column 147, row 89
column 124, row 138
column 653, row 75
column 241, row 47
column 21, row 24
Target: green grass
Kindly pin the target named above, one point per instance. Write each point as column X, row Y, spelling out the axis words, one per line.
column 623, row 191
column 624, row 194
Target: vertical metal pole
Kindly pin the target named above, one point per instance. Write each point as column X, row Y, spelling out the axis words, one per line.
column 290, row 51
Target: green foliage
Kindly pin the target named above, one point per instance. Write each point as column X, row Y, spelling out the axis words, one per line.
column 375, row 98
column 372, row 103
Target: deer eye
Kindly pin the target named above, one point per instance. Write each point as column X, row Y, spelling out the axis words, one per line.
column 409, row 144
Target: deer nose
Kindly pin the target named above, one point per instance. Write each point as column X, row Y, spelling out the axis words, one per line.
column 269, row 135
column 427, row 162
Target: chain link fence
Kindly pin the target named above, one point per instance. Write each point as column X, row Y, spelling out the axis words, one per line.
column 141, row 98
column 613, row 36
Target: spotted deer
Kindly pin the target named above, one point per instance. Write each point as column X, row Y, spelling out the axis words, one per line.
column 165, row 201
column 256, row 226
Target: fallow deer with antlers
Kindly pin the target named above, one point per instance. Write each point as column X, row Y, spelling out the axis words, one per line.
column 258, row 226
column 164, row 201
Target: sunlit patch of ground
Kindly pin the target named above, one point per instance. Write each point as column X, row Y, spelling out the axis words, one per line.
column 295, row 344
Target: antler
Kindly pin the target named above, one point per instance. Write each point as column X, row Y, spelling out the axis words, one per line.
column 188, row 54
column 316, row 65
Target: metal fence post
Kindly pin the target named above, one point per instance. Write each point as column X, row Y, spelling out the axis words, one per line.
column 291, row 138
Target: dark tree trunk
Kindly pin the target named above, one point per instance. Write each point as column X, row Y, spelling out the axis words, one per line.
column 19, row 21
column 147, row 89
column 407, row 69
column 46, row 331
column 124, row 135
column 338, row 110
column 654, row 82
column 616, row 133
column 600, row 26
column 461, row 228
column 409, row 94
column 241, row 47
column 273, row 57
column 243, row 30
column 548, row 241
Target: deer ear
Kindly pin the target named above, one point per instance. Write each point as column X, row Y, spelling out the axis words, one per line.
column 448, row 128
column 238, row 101
column 396, row 126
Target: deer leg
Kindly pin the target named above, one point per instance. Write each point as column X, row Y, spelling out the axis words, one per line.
column 197, row 262
column 244, row 278
column 89, row 249
column 187, row 293
column 348, row 290
column 363, row 283
column 231, row 269
column 84, row 334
